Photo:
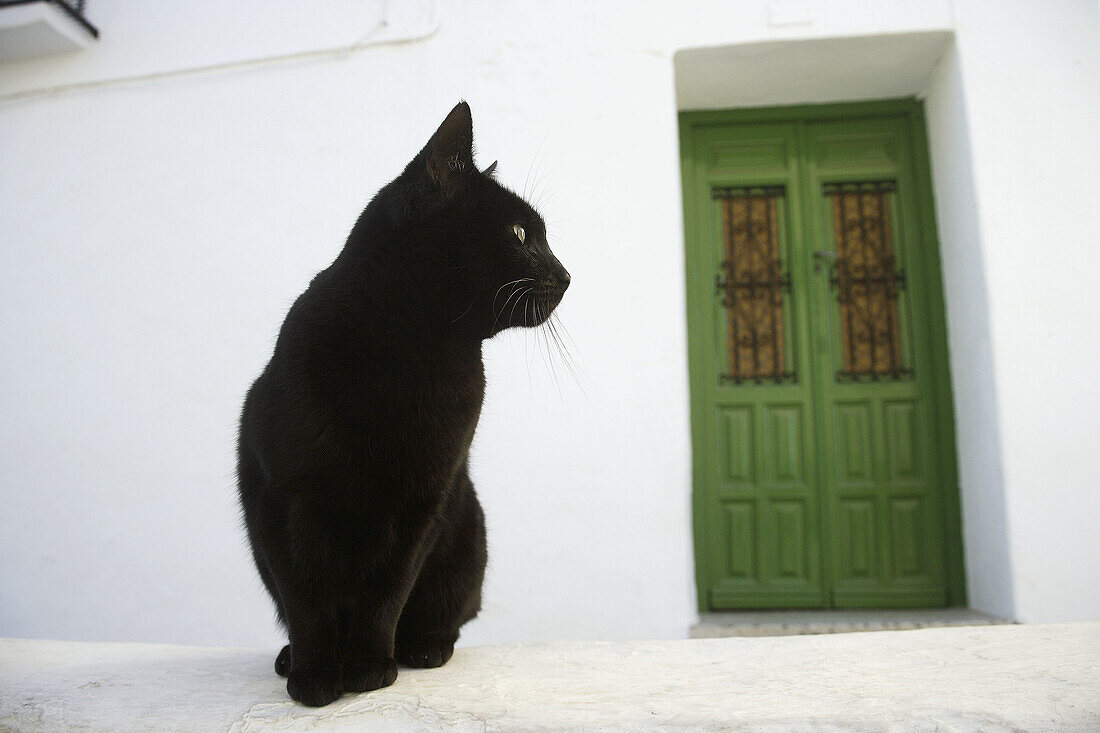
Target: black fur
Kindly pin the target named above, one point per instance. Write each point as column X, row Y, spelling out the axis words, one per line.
column 352, row 459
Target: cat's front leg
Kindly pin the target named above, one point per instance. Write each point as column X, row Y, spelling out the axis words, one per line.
column 447, row 592
column 315, row 676
column 366, row 670
column 282, row 662
column 368, row 650
column 308, row 601
column 372, row 621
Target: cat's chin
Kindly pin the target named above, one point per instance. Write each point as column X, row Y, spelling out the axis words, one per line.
column 529, row 320
column 542, row 313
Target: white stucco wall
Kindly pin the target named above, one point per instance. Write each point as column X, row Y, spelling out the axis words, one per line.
column 157, row 222
column 1031, row 76
column 963, row 256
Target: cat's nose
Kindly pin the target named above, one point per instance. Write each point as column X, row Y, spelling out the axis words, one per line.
column 563, row 278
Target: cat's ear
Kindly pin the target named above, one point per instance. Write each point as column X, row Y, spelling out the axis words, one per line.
column 450, row 156
column 489, row 171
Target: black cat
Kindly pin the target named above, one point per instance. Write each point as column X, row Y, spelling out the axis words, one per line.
column 352, row 458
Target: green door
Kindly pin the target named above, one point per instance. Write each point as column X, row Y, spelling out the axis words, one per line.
column 824, row 472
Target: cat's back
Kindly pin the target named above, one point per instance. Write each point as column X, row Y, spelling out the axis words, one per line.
column 289, row 409
column 349, row 376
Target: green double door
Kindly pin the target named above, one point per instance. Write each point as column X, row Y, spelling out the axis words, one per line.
column 824, row 470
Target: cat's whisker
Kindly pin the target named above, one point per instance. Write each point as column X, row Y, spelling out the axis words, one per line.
column 543, row 177
column 471, row 305
column 550, row 339
column 521, row 297
column 515, row 290
column 574, row 367
column 519, row 293
column 538, row 334
column 517, row 280
column 558, row 324
column 496, row 317
column 546, row 198
column 539, row 197
column 528, row 176
column 536, row 158
column 526, row 337
column 550, row 359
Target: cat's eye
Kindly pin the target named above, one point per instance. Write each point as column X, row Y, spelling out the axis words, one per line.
column 519, row 232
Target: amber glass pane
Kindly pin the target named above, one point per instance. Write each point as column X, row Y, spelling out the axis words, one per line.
column 753, row 284
column 866, row 281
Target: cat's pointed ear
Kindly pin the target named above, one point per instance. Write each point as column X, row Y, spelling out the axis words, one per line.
column 489, row 171
column 450, row 156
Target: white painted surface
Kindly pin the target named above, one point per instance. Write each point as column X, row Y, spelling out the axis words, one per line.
column 965, row 679
column 977, row 418
column 158, row 231
column 39, row 29
column 168, row 36
column 1031, row 76
column 808, row 71
column 156, row 225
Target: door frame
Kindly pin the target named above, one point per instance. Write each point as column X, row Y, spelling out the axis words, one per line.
column 700, row 340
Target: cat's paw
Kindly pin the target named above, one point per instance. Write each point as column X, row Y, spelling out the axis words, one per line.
column 369, row 672
column 427, row 650
column 314, row 688
column 282, row 662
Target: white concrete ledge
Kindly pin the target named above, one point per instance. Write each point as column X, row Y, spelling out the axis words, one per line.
column 971, row 678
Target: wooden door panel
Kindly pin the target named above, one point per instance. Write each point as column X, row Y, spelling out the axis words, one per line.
column 760, row 513
column 882, row 497
column 785, row 446
column 853, row 445
column 741, row 534
column 769, row 535
column 885, row 512
column 904, row 458
column 843, row 150
column 859, row 553
column 737, row 445
column 818, row 392
column 791, row 555
column 907, row 530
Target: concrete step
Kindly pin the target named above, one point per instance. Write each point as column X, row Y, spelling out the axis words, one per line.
column 785, row 623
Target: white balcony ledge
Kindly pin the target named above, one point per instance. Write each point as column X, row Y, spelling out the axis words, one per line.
column 35, row 29
column 1009, row 677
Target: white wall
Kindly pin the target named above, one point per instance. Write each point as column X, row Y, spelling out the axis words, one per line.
column 977, row 414
column 1031, row 76
column 157, row 230
column 156, row 224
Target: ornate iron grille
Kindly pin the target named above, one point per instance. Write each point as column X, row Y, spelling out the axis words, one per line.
column 753, row 286
column 867, row 282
